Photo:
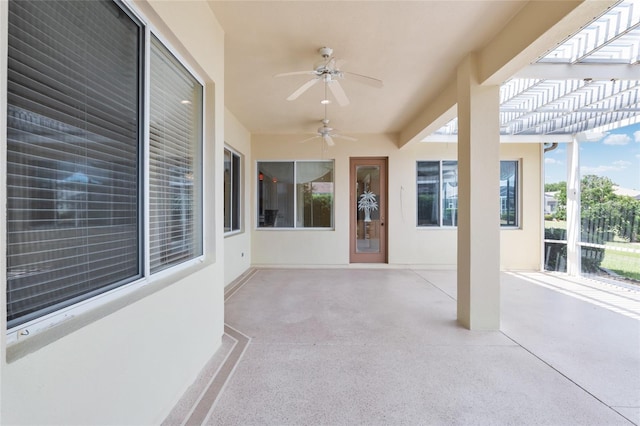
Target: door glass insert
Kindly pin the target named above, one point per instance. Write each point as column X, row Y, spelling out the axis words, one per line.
column 368, row 212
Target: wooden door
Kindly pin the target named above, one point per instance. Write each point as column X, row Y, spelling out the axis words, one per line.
column 368, row 210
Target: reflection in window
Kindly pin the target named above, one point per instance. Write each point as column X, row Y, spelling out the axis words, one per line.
column 450, row 193
column 295, row 194
column 73, row 190
column 508, row 193
column 437, row 184
column 231, row 191
column 314, row 184
column 428, row 193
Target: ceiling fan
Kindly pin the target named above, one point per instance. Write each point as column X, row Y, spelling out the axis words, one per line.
column 329, row 71
column 326, row 133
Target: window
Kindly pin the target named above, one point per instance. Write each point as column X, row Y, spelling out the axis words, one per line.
column 72, row 154
column 232, row 188
column 175, row 168
column 437, row 202
column 75, row 156
column 508, row 193
column 295, row 194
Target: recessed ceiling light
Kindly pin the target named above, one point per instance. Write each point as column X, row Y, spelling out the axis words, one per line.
column 325, row 101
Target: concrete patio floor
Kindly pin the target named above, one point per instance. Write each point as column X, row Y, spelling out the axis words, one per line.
column 382, row 347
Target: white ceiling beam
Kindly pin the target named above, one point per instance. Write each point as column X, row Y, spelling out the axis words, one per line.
column 504, row 138
column 438, row 113
column 546, row 71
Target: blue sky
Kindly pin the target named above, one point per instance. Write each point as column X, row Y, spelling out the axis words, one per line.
column 616, row 156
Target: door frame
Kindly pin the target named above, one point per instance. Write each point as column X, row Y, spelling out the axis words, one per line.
column 382, row 256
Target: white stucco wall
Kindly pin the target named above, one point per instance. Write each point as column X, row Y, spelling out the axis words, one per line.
column 237, row 246
column 129, row 361
column 408, row 244
column 521, row 249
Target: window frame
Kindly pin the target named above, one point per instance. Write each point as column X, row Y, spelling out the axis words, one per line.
column 159, row 279
column 441, row 200
column 235, row 186
column 518, row 194
column 295, row 201
column 197, row 161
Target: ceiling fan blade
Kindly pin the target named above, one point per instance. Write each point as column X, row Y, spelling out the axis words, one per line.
column 364, row 79
column 349, row 138
column 286, row 74
column 308, row 139
column 303, row 89
column 338, row 92
column 328, row 140
column 340, row 63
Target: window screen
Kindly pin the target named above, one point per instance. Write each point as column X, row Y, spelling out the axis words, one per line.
column 175, row 171
column 73, row 183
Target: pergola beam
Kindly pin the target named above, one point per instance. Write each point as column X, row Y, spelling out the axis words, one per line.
column 545, row 71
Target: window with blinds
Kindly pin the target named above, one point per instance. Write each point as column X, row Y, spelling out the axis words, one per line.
column 175, row 156
column 231, row 191
column 73, row 154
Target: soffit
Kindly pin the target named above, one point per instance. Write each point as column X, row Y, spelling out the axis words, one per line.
column 413, row 46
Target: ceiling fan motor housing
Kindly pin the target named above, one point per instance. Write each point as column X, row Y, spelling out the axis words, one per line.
column 326, row 52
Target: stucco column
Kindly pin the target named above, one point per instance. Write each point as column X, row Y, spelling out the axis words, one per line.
column 478, row 201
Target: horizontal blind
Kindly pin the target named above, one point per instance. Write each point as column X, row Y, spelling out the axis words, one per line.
column 175, row 161
column 72, row 154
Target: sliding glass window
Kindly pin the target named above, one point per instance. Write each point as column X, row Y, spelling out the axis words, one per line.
column 295, row 194
column 437, row 192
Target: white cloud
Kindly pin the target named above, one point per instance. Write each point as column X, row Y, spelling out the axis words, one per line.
column 617, row 139
column 636, row 136
column 552, row 161
column 616, row 166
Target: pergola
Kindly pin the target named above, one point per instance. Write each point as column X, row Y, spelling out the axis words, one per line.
column 588, row 83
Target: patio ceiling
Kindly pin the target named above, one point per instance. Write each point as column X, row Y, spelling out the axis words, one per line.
column 590, row 82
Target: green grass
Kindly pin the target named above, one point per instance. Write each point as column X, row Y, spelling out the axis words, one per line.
column 560, row 224
column 622, row 263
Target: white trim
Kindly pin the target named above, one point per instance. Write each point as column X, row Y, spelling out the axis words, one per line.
column 4, row 47
column 146, row 204
column 573, row 209
column 542, row 139
column 441, row 225
column 579, row 71
column 295, row 198
column 240, row 187
column 150, row 27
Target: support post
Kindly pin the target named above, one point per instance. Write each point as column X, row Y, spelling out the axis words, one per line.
column 573, row 208
column 478, row 200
